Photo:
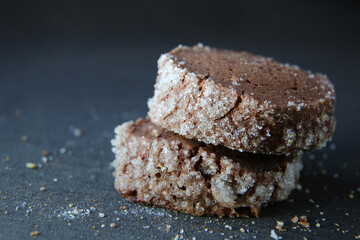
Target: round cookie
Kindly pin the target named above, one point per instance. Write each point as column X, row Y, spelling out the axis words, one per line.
column 243, row 101
column 158, row 167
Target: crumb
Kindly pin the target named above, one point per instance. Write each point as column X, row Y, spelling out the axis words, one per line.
column 42, row 189
column 274, row 235
column 62, row 150
column 71, row 205
column 34, row 233
column 7, row 159
column 44, row 159
column 55, row 179
column 229, row 227
column 31, row 165
column 280, row 225
column 168, row 227
column 77, row 132
column 45, row 153
column 123, row 207
column 101, row 215
column 112, row 225
column 317, row 225
column 24, row 138
column 295, row 219
column 351, row 196
column 304, row 222
column 242, row 229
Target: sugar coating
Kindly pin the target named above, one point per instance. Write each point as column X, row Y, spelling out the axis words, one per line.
column 243, row 116
column 161, row 168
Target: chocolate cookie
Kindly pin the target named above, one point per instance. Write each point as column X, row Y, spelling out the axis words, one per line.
column 158, row 167
column 243, row 101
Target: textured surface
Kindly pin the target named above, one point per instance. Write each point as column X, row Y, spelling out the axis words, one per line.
column 157, row 167
column 245, row 102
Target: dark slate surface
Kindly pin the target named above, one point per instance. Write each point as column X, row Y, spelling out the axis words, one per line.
column 73, row 67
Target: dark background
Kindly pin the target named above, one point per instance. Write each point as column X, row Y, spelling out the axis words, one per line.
column 92, row 65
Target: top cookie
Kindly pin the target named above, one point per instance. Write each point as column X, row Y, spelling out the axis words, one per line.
column 242, row 101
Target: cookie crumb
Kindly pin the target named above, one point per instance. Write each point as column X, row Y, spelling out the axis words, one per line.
column 295, row 219
column 34, row 233
column 31, row 165
column 304, row 222
column 102, row 215
column 274, row 235
column 280, row 225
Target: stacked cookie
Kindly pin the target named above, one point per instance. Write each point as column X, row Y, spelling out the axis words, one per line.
column 225, row 132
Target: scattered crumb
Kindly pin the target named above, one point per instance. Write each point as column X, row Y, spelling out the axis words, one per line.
column 351, row 196
column 304, row 222
column 55, row 179
column 44, row 159
column 42, row 189
column 295, row 219
column 24, row 138
column 228, row 227
column 274, row 235
column 317, row 225
column 168, row 227
column 31, row 165
column 45, row 153
column 62, row 150
column 7, row 159
column 34, row 233
column 112, row 225
column 123, row 207
column 101, row 215
column 242, row 229
column 280, row 225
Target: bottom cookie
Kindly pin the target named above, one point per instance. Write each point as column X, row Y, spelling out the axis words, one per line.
column 157, row 167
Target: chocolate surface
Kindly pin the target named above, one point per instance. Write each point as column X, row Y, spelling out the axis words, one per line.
column 262, row 77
